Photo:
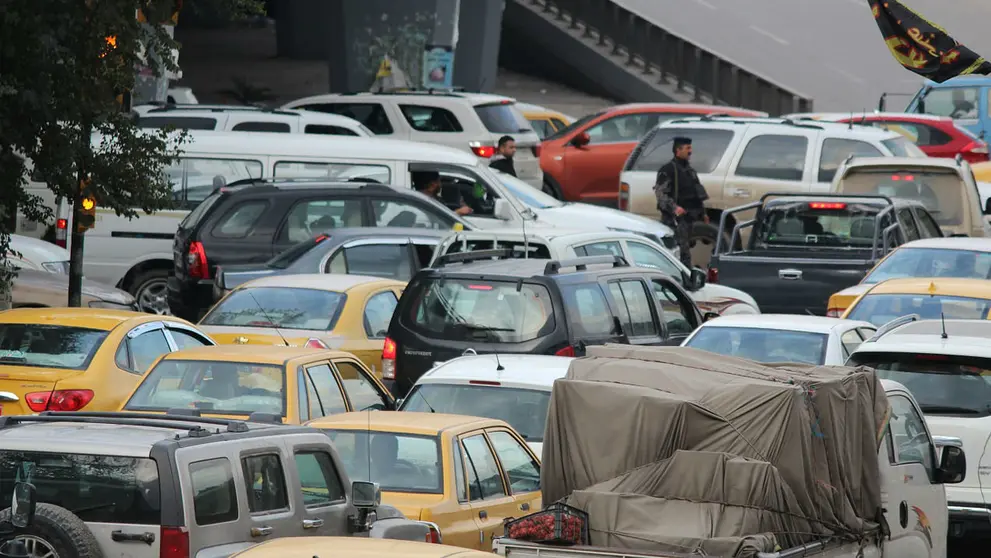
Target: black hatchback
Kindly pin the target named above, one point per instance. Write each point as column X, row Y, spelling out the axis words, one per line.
column 471, row 302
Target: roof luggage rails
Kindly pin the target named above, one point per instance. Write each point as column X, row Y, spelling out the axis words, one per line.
column 892, row 325
column 190, row 423
column 581, row 264
column 475, row 255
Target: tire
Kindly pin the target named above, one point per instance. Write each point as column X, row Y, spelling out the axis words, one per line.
column 703, row 243
column 551, row 189
column 64, row 534
column 150, row 289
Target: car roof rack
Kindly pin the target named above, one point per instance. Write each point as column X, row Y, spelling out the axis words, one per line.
column 581, row 264
column 268, row 418
column 192, row 424
column 168, row 107
column 475, row 255
column 892, row 325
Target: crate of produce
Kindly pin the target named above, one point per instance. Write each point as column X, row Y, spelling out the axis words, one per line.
column 555, row 524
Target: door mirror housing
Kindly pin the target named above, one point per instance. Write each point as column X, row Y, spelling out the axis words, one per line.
column 709, row 316
column 22, row 505
column 987, row 206
column 502, row 210
column 581, row 140
column 697, row 278
column 953, row 461
column 399, row 403
column 365, row 495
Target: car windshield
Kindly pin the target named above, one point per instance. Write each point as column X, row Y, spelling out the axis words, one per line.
column 942, row 384
column 762, row 345
column 903, row 147
column 524, row 409
column 278, row 307
column 502, row 118
column 528, row 194
column 48, row 346
column 94, row 488
column 932, row 262
column 290, row 256
column 880, row 309
column 817, row 224
column 581, row 122
column 942, row 192
column 482, row 311
column 397, row 462
column 226, row 388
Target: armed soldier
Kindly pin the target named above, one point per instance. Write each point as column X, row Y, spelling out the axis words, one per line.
column 681, row 196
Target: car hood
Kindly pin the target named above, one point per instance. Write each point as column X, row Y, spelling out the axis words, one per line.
column 567, row 214
column 57, row 284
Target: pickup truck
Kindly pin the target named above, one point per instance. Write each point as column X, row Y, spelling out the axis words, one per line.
column 805, row 247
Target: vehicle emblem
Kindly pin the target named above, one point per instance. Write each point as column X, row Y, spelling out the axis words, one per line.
column 240, row 340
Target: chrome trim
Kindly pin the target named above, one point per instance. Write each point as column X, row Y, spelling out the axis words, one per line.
column 8, row 397
column 969, row 510
column 440, row 536
column 947, row 441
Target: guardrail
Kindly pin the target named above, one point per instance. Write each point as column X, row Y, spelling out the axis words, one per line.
column 707, row 76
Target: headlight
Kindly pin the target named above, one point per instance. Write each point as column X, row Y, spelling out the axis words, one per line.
column 60, row 268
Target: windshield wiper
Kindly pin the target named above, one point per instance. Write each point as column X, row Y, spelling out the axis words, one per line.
column 950, row 409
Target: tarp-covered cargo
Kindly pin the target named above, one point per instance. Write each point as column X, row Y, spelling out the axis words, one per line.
column 678, row 449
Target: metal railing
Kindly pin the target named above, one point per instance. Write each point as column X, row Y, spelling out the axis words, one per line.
column 707, row 76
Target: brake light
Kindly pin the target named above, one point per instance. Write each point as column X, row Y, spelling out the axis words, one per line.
column 623, row 202
column 932, row 357
column 484, row 383
column 568, row 351
column 196, row 261
column 314, row 343
column 58, row 400
column 320, row 239
column 536, row 150
column 433, row 536
column 907, row 177
column 480, row 287
column 827, row 205
column 976, row 147
column 834, row 313
column 389, row 350
column 174, row 542
column 61, row 233
column 712, row 275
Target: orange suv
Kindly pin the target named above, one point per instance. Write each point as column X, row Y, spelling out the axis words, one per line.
column 582, row 162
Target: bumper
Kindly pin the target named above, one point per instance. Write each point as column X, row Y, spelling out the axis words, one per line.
column 968, row 520
column 189, row 301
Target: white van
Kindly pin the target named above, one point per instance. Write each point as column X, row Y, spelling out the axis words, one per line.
column 234, row 118
column 136, row 254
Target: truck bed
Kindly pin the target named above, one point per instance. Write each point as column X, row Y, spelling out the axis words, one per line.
column 520, row 549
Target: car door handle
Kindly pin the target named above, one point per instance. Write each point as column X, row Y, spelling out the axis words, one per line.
column 263, row 531
column 312, row 523
column 483, row 514
column 790, row 274
column 120, row 536
column 739, row 192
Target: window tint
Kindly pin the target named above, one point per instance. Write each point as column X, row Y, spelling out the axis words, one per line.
column 430, row 119
column 624, row 312
column 762, row 345
column 880, row 309
column 398, row 462
column 318, row 477
column 235, row 388
column 708, row 147
column 178, row 122
column 908, row 433
column 814, row 225
column 265, row 483
column 378, row 314
column 901, row 147
column 941, row 191
column 400, row 213
column 774, row 157
column 328, row 391
column 502, row 118
column 48, row 346
column 303, row 399
column 371, row 115
column 360, row 389
column 193, row 180
column 522, row 470
column 278, row 307
column 459, row 473
column 959, row 103
column 634, row 297
column 390, row 261
column 214, row 494
column 336, row 172
column 908, row 223
column 487, row 481
column 647, row 256
column 315, row 410
column 836, row 150
column 930, row 228
column 277, row 127
column 186, row 340
column 285, row 259
column 630, row 127
column 123, row 357
column 240, row 220
column 558, row 124
column 588, row 311
column 850, row 341
column 534, row 249
column 328, row 130
column 312, row 217
column 524, row 409
column 600, row 249
column 678, row 313
column 919, row 134
column 147, row 347
column 543, row 128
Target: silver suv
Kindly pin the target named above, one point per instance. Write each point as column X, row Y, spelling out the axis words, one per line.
column 179, row 485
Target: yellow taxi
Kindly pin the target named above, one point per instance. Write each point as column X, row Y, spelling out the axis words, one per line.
column 67, row 359
column 964, row 257
column 930, row 298
column 545, row 121
column 464, row 474
column 982, row 171
column 354, row 547
column 346, row 312
column 233, row 381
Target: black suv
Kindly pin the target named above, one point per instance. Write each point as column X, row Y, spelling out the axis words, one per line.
column 252, row 221
column 470, row 302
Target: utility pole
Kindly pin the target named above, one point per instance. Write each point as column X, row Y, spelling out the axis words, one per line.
column 438, row 59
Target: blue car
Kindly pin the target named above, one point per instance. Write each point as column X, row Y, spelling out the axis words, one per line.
column 964, row 99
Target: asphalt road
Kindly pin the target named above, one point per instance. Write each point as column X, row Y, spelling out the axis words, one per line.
column 830, row 50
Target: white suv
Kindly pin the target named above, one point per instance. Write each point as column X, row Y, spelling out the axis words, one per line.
column 236, row 118
column 472, row 122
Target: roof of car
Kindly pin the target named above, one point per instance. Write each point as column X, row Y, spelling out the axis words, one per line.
column 902, row 162
column 262, row 354
column 378, row 232
column 518, row 370
column 966, row 80
column 686, row 108
column 839, row 116
column 354, row 547
column 544, row 233
column 321, row 281
column 976, row 244
column 964, row 338
column 722, row 121
column 403, row 421
column 789, row 322
column 473, row 98
column 949, row 286
column 518, row 268
column 852, row 198
column 92, row 318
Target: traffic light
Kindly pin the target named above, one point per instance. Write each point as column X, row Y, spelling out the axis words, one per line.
column 87, row 214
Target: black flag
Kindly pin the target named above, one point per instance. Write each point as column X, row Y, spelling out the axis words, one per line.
column 924, row 47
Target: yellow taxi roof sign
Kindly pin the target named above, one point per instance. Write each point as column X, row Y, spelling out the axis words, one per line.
column 385, row 69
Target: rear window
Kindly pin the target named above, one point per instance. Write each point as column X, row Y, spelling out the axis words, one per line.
column 48, row 346
column 817, row 224
column 518, row 247
column 762, row 345
column 942, row 192
column 502, row 118
column 524, row 409
column 292, row 255
column 902, row 147
column 481, row 311
column 196, row 215
column 880, row 309
column 581, row 122
column 708, row 146
column 931, row 262
column 178, row 122
column 229, row 388
column 278, row 307
column 95, row 488
column 397, row 462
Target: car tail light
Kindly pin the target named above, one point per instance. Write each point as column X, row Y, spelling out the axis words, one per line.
column 433, row 536
column 389, row 359
column 536, row 151
column 827, row 205
column 174, row 542
column 713, row 275
column 480, row 150
column 314, row 343
column 61, row 232
column 568, row 351
column 905, row 177
column 976, row 147
column 196, row 261
column 623, row 201
column 58, row 400
column 484, row 383
column 834, row 313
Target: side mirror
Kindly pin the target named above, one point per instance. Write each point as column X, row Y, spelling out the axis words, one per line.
column 399, row 403
column 581, row 140
column 987, row 206
column 502, row 210
column 697, row 279
column 709, row 316
column 952, row 463
column 22, row 505
column 365, row 495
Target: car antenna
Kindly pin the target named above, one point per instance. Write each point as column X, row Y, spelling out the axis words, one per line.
column 499, row 367
column 850, row 122
column 942, row 321
column 267, row 317
column 526, row 243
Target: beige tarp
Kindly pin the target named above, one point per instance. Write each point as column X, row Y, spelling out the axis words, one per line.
column 673, row 449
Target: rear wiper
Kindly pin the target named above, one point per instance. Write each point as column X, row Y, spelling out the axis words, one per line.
column 951, row 410
column 474, row 327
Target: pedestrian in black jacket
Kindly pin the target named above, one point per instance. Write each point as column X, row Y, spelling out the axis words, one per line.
column 681, row 196
column 503, row 160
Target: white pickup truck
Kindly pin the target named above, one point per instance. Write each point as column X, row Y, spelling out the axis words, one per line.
column 913, row 499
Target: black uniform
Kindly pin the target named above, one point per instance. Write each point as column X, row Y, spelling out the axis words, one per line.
column 678, row 185
column 504, row 164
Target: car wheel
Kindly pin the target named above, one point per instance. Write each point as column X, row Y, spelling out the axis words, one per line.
column 55, row 532
column 150, row 289
column 703, row 242
column 551, row 190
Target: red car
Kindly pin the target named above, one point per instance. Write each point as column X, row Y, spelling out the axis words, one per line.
column 937, row 136
column 582, row 162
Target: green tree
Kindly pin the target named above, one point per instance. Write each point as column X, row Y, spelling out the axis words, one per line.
column 63, row 64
